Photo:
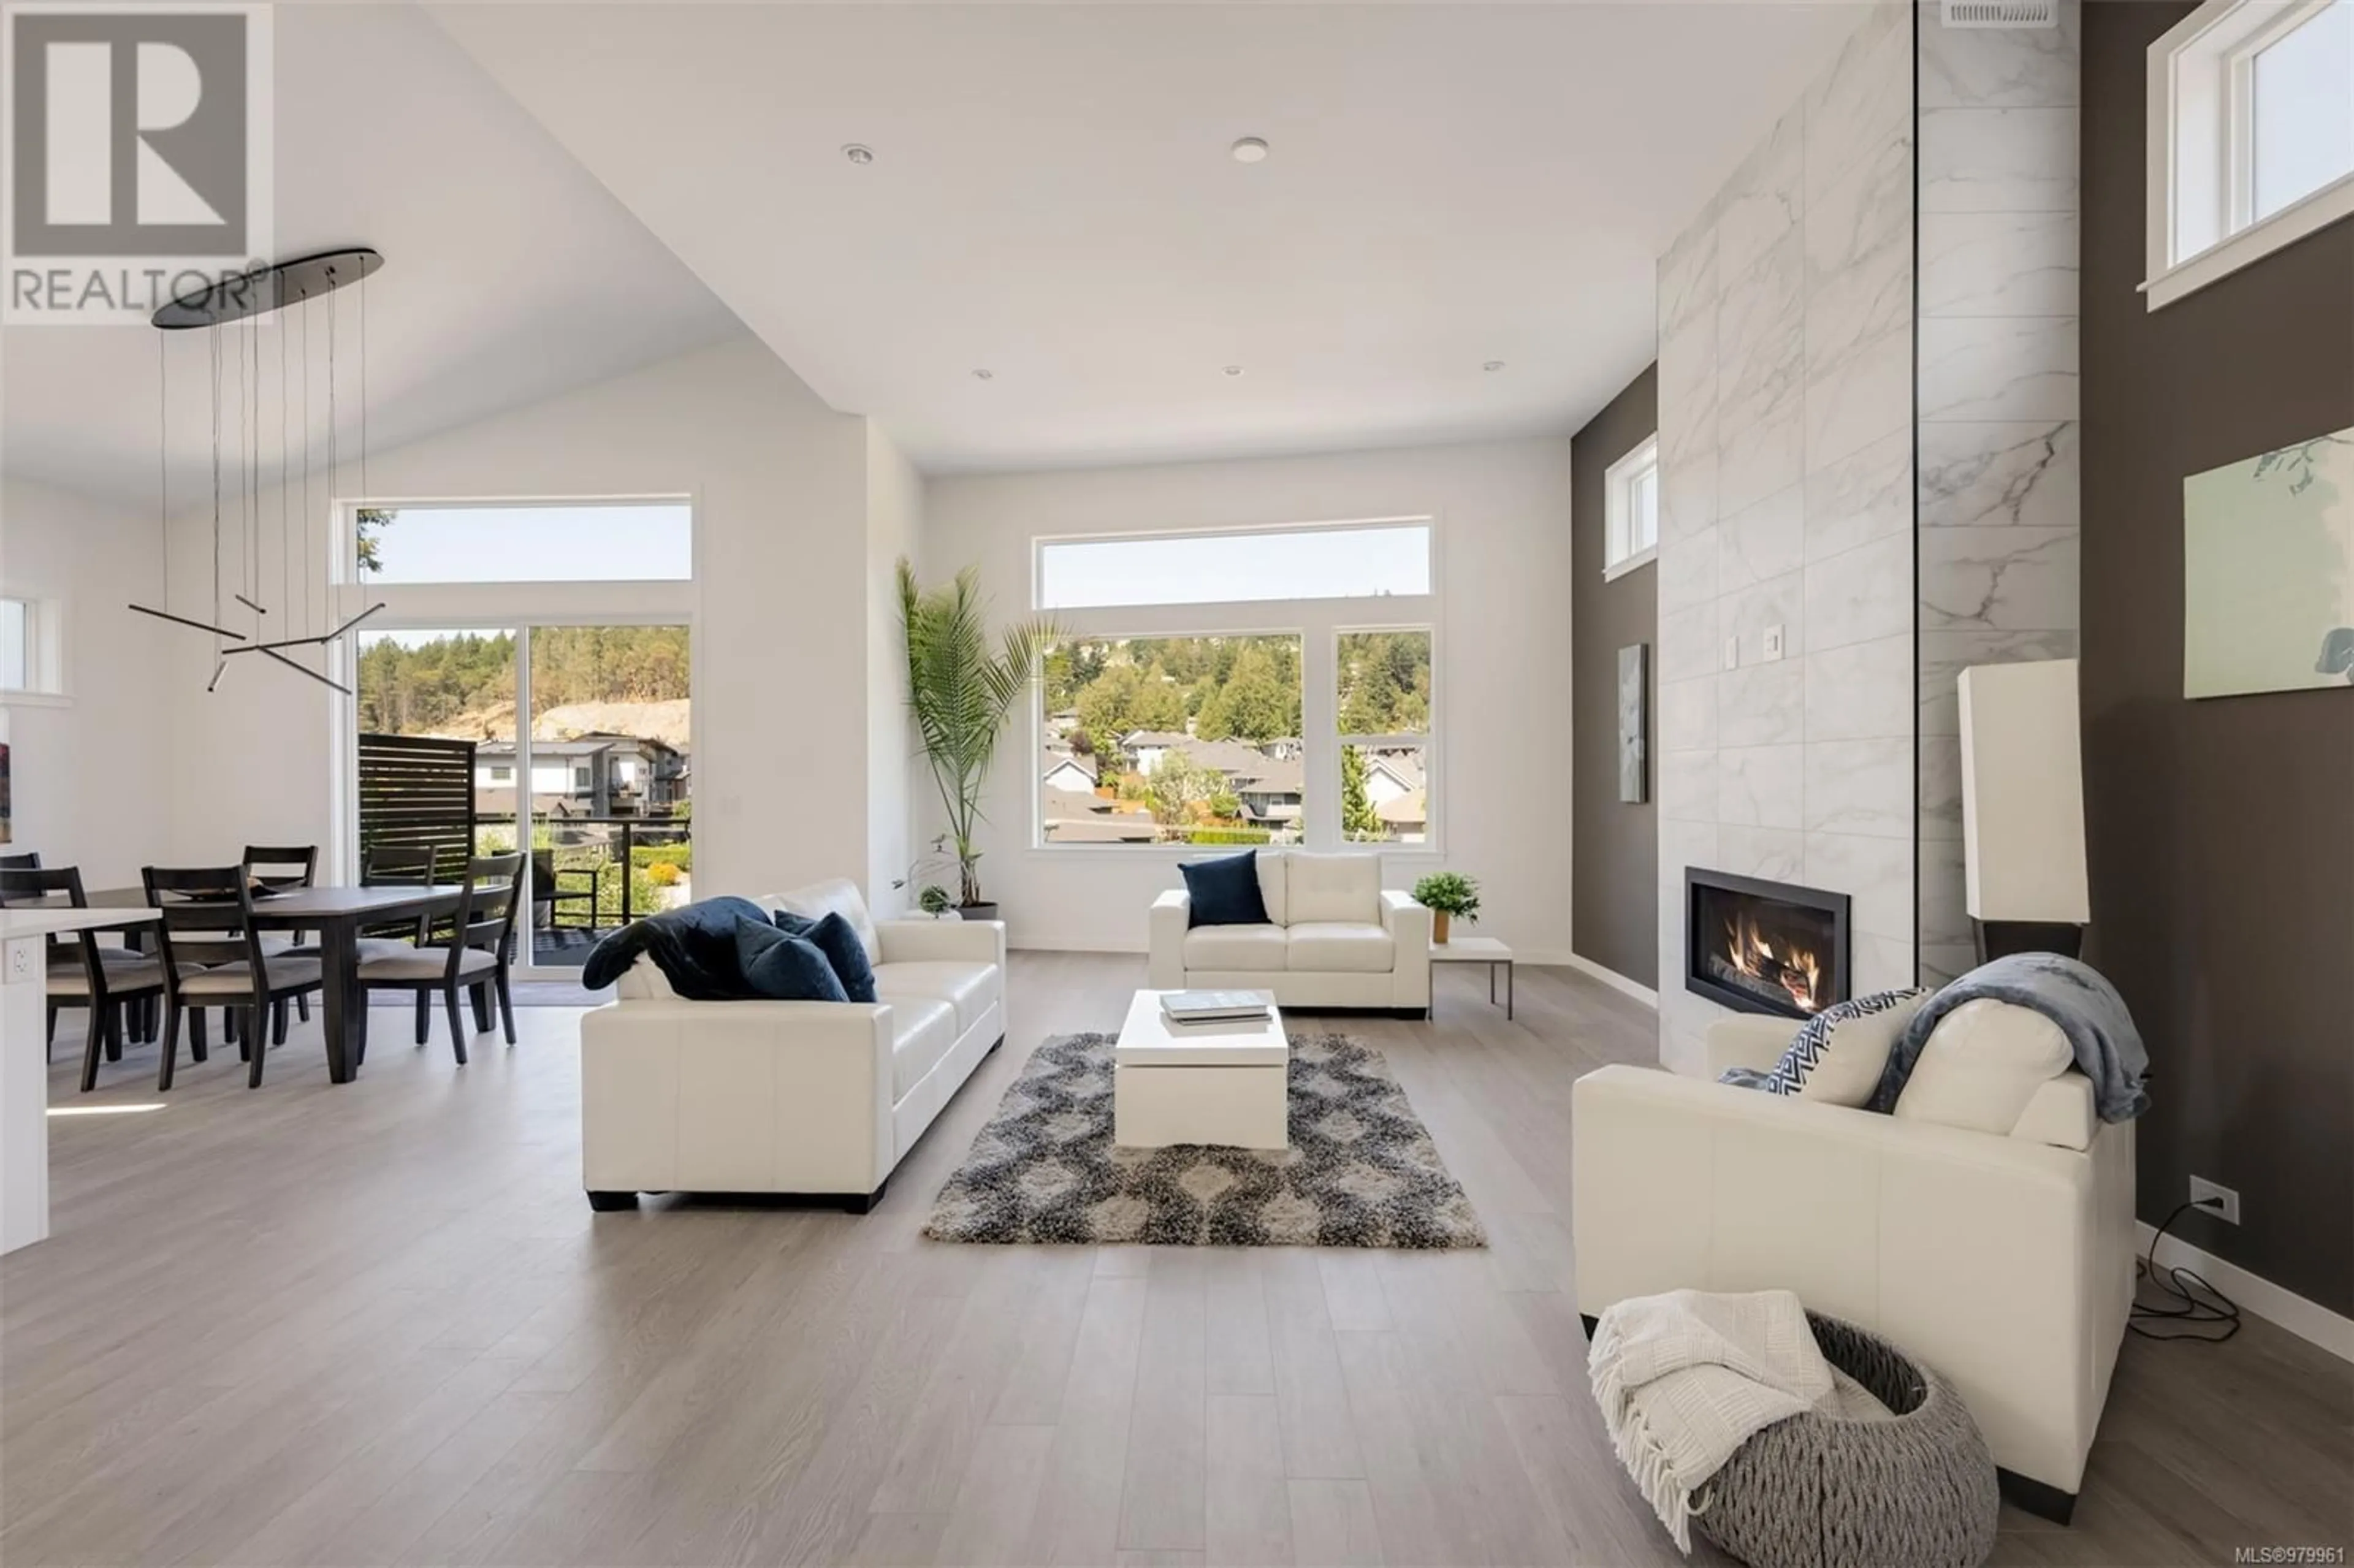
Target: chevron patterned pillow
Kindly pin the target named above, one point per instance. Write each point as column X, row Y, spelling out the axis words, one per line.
column 1836, row 1058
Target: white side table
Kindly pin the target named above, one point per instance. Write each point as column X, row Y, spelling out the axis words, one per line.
column 1476, row 951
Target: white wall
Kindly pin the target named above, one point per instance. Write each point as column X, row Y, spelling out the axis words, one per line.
column 1502, row 509
column 781, row 694
column 895, row 512
column 1785, row 382
column 92, row 777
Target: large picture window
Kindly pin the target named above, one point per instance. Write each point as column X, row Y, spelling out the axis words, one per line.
column 1223, row 688
column 2251, row 128
column 1172, row 740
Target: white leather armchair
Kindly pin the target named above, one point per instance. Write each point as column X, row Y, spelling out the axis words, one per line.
column 2005, row 1263
column 817, row 1098
column 1334, row 938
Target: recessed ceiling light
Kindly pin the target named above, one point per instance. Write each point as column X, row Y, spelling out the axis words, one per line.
column 1493, row 365
column 1234, row 370
column 1250, row 150
column 857, row 152
column 984, row 375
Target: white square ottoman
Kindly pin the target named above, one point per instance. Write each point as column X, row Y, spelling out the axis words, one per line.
column 1227, row 1083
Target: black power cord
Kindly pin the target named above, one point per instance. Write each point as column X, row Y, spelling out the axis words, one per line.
column 2196, row 1307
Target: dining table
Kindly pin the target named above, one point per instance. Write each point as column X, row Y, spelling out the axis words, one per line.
column 337, row 915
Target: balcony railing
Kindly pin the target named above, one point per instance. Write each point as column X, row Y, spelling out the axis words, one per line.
column 593, row 875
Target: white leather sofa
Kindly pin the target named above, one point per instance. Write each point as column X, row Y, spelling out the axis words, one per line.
column 817, row 1098
column 1335, row 938
column 2005, row 1263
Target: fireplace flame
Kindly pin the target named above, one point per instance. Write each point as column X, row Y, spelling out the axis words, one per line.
column 1798, row 973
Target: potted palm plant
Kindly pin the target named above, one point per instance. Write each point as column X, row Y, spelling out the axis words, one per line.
column 1448, row 893
column 961, row 687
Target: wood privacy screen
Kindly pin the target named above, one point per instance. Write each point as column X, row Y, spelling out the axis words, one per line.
column 416, row 792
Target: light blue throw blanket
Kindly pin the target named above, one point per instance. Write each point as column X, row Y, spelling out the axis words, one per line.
column 2086, row 1007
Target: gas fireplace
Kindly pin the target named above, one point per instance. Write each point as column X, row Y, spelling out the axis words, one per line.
column 1763, row 947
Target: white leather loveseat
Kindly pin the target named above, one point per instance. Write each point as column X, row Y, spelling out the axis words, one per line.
column 1335, row 938
column 2005, row 1263
column 818, row 1098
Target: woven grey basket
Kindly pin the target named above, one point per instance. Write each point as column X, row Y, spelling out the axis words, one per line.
column 1819, row 1491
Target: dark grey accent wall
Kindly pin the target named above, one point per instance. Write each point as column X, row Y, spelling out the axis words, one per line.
column 2220, row 833
column 1614, row 850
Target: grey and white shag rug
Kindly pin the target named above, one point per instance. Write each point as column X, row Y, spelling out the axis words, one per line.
column 1361, row 1171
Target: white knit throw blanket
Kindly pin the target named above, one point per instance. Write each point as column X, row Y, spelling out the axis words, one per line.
column 1685, row 1378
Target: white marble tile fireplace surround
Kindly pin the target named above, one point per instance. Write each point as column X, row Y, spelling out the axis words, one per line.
column 1805, row 735
column 1786, row 393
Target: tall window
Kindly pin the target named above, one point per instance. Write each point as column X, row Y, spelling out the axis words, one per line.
column 1382, row 698
column 557, row 636
column 1210, row 693
column 2251, row 135
column 32, row 647
column 16, row 657
column 1631, row 510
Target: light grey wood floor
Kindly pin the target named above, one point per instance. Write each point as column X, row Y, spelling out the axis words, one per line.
column 378, row 1324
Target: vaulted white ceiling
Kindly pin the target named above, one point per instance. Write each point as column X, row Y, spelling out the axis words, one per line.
column 1052, row 200
column 511, row 273
column 564, row 191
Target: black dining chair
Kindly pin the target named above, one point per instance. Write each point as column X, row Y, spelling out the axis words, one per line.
column 117, row 985
column 28, row 860
column 213, row 957
column 278, row 868
column 476, row 957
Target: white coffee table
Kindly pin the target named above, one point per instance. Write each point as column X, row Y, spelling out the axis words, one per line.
column 1226, row 1084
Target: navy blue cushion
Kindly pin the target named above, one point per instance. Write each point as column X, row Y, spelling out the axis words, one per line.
column 841, row 947
column 785, row 968
column 695, row 947
column 1225, row 891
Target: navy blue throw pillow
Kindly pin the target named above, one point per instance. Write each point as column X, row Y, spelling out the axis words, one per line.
column 779, row 968
column 841, row 946
column 1225, row 891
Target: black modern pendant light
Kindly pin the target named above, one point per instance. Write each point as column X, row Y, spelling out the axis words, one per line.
column 213, row 310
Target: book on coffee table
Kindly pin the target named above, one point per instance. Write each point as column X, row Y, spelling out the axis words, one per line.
column 1213, row 1006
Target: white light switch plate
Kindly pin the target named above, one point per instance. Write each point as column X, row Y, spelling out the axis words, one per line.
column 1733, row 653
column 1773, row 642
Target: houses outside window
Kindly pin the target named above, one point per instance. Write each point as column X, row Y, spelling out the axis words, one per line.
column 2251, row 129
column 1382, row 700
column 1631, row 511
column 1209, row 695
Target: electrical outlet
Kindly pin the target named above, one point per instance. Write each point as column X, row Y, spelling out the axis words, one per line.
column 24, row 960
column 1733, row 653
column 2202, row 1190
column 1773, row 642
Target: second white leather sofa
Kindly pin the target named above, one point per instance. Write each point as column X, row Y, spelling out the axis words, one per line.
column 817, row 1098
column 1334, row 938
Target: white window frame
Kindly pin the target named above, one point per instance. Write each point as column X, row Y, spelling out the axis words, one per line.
column 515, row 608
column 2200, row 211
column 1620, row 554
column 45, row 682
column 1317, row 623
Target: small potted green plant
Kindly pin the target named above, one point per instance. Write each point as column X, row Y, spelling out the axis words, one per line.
column 937, row 901
column 1448, row 893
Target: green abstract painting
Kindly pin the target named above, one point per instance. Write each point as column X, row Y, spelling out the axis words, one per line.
column 2268, row 571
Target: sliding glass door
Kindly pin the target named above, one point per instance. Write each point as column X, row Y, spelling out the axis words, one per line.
column 599, row 787
column 613, row 785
